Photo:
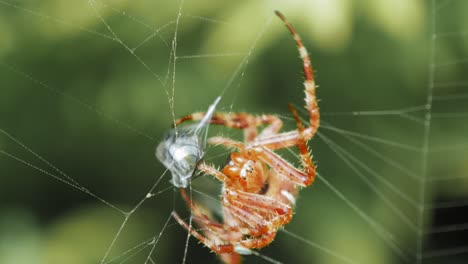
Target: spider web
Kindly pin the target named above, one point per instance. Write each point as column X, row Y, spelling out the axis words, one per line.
column 392, row 183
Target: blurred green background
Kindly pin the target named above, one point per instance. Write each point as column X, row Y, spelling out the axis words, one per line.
column 90, row 87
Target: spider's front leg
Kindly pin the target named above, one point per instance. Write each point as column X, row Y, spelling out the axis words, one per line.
column 245, row 121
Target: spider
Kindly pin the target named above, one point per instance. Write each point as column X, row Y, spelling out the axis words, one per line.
column 260, row 187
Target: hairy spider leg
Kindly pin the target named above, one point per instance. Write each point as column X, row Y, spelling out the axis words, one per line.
column 309, row 83
column 291, row 138
column 262, row 226
column 306, row 158
column 271, row 212
column 242, row 246
column 218, row 249
column 240, row 120
column 258, row 218
column 276, row 162
column 222, row 231
column 268, row 137
column 214, row 232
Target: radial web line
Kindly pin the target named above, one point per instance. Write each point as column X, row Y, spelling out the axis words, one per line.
column 447, row 228
column 156, row 32
column 212, row 55
column 264, row 257
column 72, row 181
column 337, row 149
column 56, row 20
column 174, row 63
column 242, row 67
column 131, row 51
column 444, row 252
column 132, row 251
column 390, row 112
column 411, row 174
column 320, row 247
column 77, row 101
column 446, row 205
column 348, row 159
column 426, row 136
column 386, row 159
column 154, row 242
column 150, row 242
column 316, row 245
column 69, row 180
column 126, row 14
column 379, row 230
column 427, row 115
column 211, row 20
column 128, row 214
column 372, row 138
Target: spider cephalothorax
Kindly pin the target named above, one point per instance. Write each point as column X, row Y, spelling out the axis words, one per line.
column 259, row 187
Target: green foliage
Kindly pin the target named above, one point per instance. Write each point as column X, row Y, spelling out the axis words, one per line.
column 94, row 103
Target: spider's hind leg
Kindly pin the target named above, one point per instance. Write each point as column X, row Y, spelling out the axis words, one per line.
column 218, row 249
column 213, row 233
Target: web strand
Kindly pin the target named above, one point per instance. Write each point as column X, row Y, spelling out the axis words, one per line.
column 426, row 136
column 356, row 149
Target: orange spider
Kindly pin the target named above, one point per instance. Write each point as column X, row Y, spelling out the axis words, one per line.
column 260, row 187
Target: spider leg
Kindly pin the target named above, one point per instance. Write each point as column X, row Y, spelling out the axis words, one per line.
column 273, row 122
column 233, row 216
column 244, row 121
column 247, row 207
column 279, row 164
column 219, row 249
column 254, row 212
column 214, row 233
column 204, row 218
column 227, row 142
column 223, row 231
column 283, row 167
column 259, row 242
column 309, row 83
column 232, row 120
column 272, row 212
column 210, row 170
column 229, row 252
column 288, row 139
column 306, row 159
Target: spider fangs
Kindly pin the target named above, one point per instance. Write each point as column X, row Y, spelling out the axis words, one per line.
column 259, row 187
